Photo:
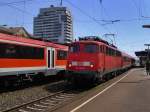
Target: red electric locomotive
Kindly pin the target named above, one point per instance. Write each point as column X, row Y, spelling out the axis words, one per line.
column 22, row 58
column 92, row 59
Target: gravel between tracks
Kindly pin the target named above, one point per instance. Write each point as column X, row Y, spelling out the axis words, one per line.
column 10, row 99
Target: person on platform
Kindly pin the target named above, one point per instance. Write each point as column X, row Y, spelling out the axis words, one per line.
column 148, row 67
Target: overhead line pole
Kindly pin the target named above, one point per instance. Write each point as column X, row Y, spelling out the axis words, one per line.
column 61, row 1
column 148, row 51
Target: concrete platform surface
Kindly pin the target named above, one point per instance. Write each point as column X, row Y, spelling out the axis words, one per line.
column 130, row 93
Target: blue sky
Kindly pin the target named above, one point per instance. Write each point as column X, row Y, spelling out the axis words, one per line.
column 88, row 16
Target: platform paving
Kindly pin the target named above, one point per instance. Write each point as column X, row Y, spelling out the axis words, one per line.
column 130, row 94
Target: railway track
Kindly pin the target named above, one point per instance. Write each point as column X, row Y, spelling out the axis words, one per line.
column 44, row 104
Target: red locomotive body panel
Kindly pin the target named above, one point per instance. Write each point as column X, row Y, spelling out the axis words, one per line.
column 100, row 59
column 84, row 60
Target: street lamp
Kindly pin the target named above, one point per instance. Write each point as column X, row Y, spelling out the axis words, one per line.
column 146, row 26
column 148, row 50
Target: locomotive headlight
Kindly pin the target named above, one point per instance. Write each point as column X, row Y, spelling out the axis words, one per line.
column 72, row 63
column 69, row 65
column 91, row 65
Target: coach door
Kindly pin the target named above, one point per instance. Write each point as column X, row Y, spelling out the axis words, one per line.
column 50, row 58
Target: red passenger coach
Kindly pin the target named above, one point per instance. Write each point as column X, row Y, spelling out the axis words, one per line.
column 93, row 58
column 25, row 58
column 127, row 61
column 56, row 58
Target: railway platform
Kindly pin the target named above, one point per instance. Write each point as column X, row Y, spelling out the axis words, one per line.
column 127, row 93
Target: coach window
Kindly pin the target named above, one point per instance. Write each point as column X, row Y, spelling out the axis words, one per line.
column 119, row 53
column 107, row 51
column 100, row 49
column 113, row 52
column 124, row 58
column 104, row 49
column 61, row 55
column 20, row 52
column 110, row 51
column 74, row 48
column 91, row 48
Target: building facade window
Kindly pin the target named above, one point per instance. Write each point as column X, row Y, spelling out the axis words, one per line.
column 54, row 21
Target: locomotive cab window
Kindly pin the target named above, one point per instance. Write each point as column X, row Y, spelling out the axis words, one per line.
column 91, row 48
column 74, row 48
column 61, row 55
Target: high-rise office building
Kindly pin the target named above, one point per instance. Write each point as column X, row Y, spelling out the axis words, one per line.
column 54, row 24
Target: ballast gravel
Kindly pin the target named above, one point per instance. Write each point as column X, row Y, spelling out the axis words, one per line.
column 18, row 97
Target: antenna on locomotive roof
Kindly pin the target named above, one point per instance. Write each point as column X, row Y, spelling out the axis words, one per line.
column 96, row 38
column 113, row 41
column 93, row 38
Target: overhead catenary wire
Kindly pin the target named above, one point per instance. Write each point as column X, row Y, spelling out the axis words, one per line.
column 138, row 8
column 144, row 10
column 16, row 2
column 13, row 5
column 22, row 1
column 108, row 22
column 24, row 6
column 23, row 10
column 86, row 14
column 16, row 8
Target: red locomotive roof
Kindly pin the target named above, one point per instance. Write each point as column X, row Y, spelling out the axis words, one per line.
column 127, row 55
column 95, row 42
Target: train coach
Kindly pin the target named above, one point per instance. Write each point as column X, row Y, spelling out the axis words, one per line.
column 127, row 61
column 93, row 59
column 26, row 59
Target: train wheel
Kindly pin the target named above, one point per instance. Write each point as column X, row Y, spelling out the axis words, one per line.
column 61, row 75
column 9, row 84
column 107, row 76
column 6, row 83
column 99, row 78
column 114, row 74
